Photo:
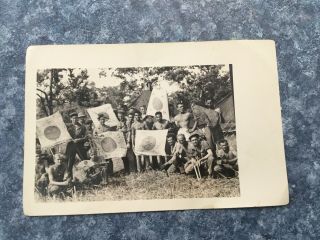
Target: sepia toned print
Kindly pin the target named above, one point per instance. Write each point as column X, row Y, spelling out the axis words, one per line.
column 135, row 133
column 152, row 127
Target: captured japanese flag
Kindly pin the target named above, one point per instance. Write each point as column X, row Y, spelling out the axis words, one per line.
column 111, row 144
column 52, row 131
column 158, row 102
column 151, row 142
column 106, row 109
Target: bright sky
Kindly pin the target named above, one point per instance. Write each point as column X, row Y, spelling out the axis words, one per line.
column 111, row 81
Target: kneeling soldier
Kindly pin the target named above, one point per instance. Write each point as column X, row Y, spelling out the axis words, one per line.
column 227, row 163
column 56, row 173
column 200, row 155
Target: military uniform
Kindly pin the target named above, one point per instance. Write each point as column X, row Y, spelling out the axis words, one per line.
column 197, row 152
column 74, row 148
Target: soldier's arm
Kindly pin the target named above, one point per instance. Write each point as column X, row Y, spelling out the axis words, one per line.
column 176, row 121
column 209, row 154
column 194, row 127
column 53, row 182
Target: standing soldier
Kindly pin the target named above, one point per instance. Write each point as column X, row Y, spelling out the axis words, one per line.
column 82, row 118
column 142, row 161
column 143, row 111
column 75, row 147
column 101, row 128
column 183, row 120
column 160, row 124
column 122, row 127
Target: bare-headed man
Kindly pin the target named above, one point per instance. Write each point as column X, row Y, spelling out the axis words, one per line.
column 142, row 161
column 179, row 155
column 143, row 111
column 160, row 124
column 227, row 163
column 56, row 173
column 183, row 120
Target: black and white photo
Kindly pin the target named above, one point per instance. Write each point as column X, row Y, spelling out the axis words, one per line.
column 152, row 127
column 136, row 133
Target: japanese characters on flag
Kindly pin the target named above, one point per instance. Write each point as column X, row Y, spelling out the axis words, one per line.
column 111, row 144
column 106, row 109
column 52, row 131
column 150, row 142
column 158, row 102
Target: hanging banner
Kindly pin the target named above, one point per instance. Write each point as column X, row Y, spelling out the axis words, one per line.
column 158, row 102
column 52, row 131
column 151, row 142
column 106, row 109
column 111, row 144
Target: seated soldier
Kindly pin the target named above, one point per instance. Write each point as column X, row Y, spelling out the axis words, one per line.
column 200, row 154
column 41, row 176
column 57, row 182
column 179, row 156
column 43, row 162
column 227, row 163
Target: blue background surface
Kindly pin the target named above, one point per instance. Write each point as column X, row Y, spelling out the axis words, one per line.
column 293, row 24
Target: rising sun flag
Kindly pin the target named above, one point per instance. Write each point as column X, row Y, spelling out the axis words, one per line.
column 151, row 142
column 111, row 144
column 52, row 131
column 107, row 109
column 158, row 102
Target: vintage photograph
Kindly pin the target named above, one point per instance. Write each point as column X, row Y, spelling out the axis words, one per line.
column 135, row 133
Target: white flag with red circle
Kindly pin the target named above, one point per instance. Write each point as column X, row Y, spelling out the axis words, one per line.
column 52, row 131
column 151, row 142
column 106, row 109
column 111, row 144
column 158, row 102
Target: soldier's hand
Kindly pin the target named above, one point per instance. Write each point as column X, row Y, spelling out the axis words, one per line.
column 219, row 162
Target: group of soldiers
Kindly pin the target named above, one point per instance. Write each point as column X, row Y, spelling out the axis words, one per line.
column 193, row 147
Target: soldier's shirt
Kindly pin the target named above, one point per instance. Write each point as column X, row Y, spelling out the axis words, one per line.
column 199, row 151
column 122, row 126
column 102, row 128
column 76, row 131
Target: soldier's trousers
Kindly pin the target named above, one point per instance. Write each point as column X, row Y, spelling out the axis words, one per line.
column 208, row 166
column 71, row 151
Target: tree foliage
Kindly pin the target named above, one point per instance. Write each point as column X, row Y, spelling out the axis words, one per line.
column 196, row 83
column 56, row 87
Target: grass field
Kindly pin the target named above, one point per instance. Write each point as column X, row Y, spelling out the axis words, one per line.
column 156, row 185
